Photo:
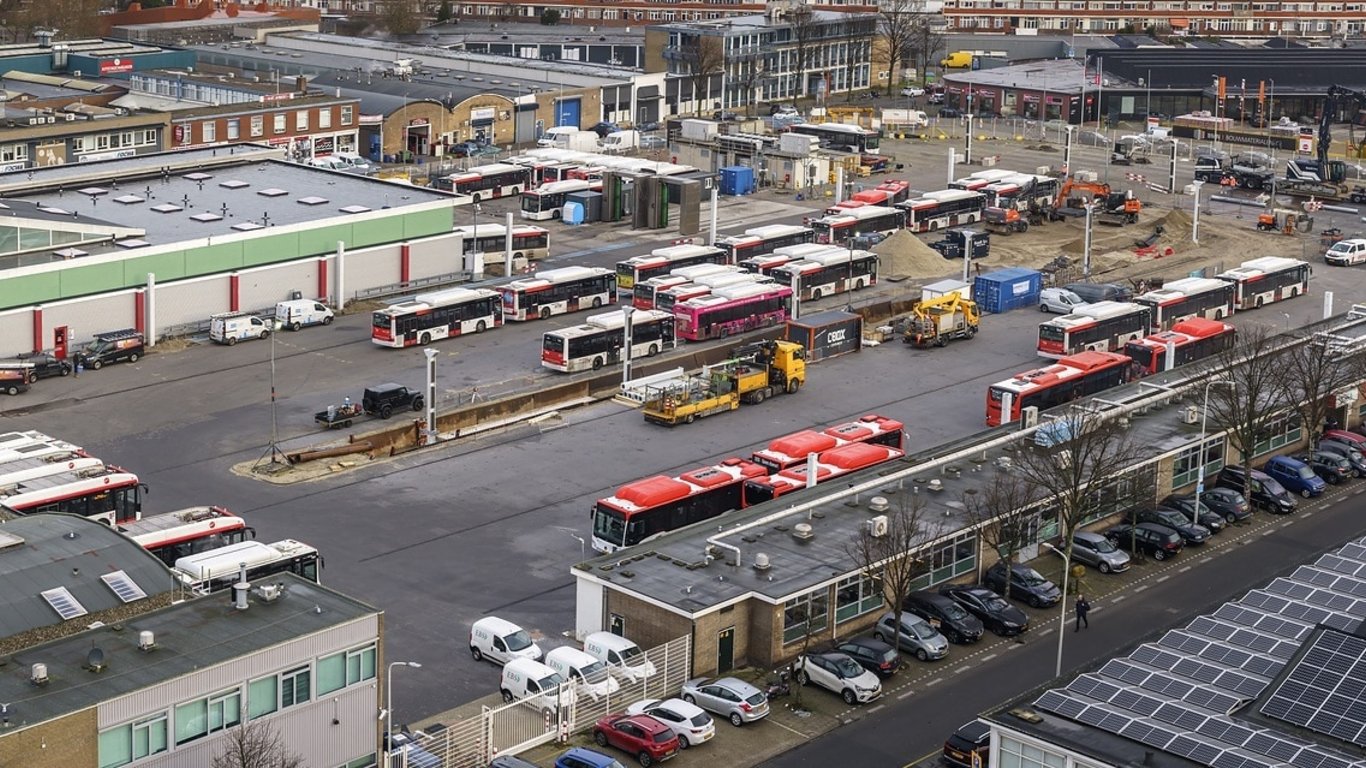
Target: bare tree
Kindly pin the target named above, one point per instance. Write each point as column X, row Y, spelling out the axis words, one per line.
column 926, row 41
column 1253, row 392
column 1003, row 513
column 255, row 745
column 1315, row 371
column 704, row 56
column 898, row 22
column 752, row 71
column 890, row 553
column 806, row 32
column 400, row 17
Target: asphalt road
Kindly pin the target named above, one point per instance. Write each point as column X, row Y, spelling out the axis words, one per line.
column 491, row 525
column 911, row 730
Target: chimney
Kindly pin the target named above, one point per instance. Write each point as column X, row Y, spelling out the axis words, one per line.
column 301, row 84
column 239, row 590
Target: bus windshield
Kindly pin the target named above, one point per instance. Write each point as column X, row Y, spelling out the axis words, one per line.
column 1050, row 332
column 609, row 525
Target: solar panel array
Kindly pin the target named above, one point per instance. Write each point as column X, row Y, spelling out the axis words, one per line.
column 1179, row 694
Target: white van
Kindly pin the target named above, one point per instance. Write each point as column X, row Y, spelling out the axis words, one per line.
column 232, row 327
column 543, row 686
column 357, row 163
column 619, row 141
column 296, row 313
column 501, row 641
column 623, row 656
column 589, row 673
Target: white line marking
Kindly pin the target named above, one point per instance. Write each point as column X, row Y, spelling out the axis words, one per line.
column 988, row 657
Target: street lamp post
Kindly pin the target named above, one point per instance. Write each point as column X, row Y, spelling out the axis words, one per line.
column 389, row 706
column 1195, row 216
column 1200, row 458
column 1067, row 153
column 1062, row 603
column 1086, row 243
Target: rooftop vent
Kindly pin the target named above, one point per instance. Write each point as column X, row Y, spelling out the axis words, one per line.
column 877, row 527
column 802, row 531
column 761, row 562
column 936, row 485
column 38, row 674
column 269, row 593
column 878, row 504
column 94, row 660
column 147, row 640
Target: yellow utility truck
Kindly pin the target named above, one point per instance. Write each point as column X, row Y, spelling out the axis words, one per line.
column 937, row 321
column 757, row 372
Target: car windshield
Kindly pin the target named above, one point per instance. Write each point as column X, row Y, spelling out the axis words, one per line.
column 755, row 699
column 595, row 671
column 995, row 604
column 1273, row 487
column 1030, row 577
column 955, row 612
column 1104, row 546
column 848, row 668
column 518, row 641
column 630, row 654
column 921, row 629
column 550, row 682
column 1305, row 473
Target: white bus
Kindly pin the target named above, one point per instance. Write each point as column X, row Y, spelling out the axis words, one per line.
column 663, row 261
column 486, row 182
column 825, row 274
column 599, row 341
column 218, row 569
column 943, row 209
column 490, row 241
column 859, row 221
column 761, row 241
column 438, row 315
column 841, row 136
column 188, row 532
column 557, row 291
column 30, row 443
column 1268, row 279
column 547, row 200
column 1105, row 326
column 981, row 179
column 30, row 467
column 1189, row 297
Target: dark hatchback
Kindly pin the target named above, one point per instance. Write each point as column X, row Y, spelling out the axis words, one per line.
column 1227, row 502
column 944, row 614
column 972, row 739
column 1186, row 505
column 1191, row 533
column 1026, row 584
column 996, row 613
column 45, row 365
column 1157, row 541
column 1348, row 452
column 871, row 653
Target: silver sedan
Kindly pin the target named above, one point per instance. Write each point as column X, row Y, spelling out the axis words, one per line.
column 730, row 697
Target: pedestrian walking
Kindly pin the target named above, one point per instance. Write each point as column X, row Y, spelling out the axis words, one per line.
column 1083, row 608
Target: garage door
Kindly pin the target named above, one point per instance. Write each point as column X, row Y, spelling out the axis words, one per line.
column 567, row 112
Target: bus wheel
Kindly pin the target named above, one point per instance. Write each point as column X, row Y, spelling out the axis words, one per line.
column 1218, row 314
column 516, row 191
column 480, row 327
column 1259, row 302
column 652, row 351
column 816, row 295
column 724, row 332
column 425, row 339
column 475, row 198
column 545, row 313
column 518, row 255
column 597, row 363
column 690, row 418
column 793, row 385
column 858, row 285
column 597, row 302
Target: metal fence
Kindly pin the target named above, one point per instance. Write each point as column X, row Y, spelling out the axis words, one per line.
column 411, row 286
column 520, row 725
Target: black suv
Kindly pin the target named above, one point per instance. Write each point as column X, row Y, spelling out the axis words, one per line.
column 45, row 365
column 1026, row 584
column 1348, row 452
column 1094, row 292
column 1157, row 541
column 945, row 615
column 1267, row 493
column 1212, row 520
column 383, row 399
column 871, row 653
column 1191, row 533
column 998, row 615
column 969, row 746
column 1227, row 502
column 1327, row 465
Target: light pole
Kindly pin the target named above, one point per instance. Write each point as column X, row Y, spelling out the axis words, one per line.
column 1200, row 459
column 628, row 338
column 1086, row 244
column 1271, row 103
column 1062, row 603
column 1195, row 215
column 389, row 706
column 430, row 438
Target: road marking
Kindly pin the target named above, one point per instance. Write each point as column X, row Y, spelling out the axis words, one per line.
column 935, row 681
column 786, row 728
column 963, row 669
column 987, row 658
column 904, row 696
column 1140, row 588
column 1119, row 598
column 871, row 710
column 1183, row 570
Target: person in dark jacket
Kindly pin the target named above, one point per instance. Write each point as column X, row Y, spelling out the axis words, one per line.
column 1083, row 608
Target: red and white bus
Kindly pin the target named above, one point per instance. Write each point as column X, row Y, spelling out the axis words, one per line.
column 490, row 241
column 28, row 468
column 30, row 443
column 664, row 292
column 429, row 317
column 110, row 495
column 1105, row 326
column 644, row 295
column 791, row 450
column 667, row 299
column 842, row 136
column 174, row 535
column 732, row 310
column 547, row 200
column 601, row 338
column 486, row 182
column 943, row 209
column 1193, row 339
column 651, row 507
column 837, row 270
column 766, row 264
column 888, row 193
column 859, row 221
column 1021, row 191
column 1189, row 297
column 981, row 179
column 1074, row 376
column 761, row 241
column 557, row 291
column 1266, row 280
column 218, row 569
column 830, row 465
column 663, row 261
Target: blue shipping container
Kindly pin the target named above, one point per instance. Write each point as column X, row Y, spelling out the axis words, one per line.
column 1007, row 289
column 737, row 180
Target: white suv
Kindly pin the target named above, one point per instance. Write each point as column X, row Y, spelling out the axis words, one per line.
column 912, row 90
column 839, row 672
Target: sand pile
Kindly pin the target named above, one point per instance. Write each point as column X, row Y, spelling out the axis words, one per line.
column 905, row 255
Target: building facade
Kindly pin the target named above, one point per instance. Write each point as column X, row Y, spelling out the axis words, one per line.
column 1230, row 19
column 629, row 12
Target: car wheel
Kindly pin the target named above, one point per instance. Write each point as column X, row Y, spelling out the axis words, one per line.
column 922, row 654
column 954, row 637
column 296, row 325
column 1043, row 308
column 683, row 742
column 736, row 720
column 418, row 402
column 1104, row 567
column 849, row 697
column 476, row 653
column 1305, row 493
column 1230, row 518
column 385, row 411
column 688, row 697
column 1036, row 602
column 97, row 365
column 265, row 334
column 232, row 341
column 507, row 696
column 11, row 390
column 645, row 760
column 600, row 737
column 803, row 678
column 33, row 377
column 133, row 358
column 66, row 370
column 1160, row 555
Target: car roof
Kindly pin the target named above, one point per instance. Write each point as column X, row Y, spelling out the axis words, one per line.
column 1088, row 536
column 866, row 642
column 645, row 721
column 974, row 731
column 928, row 597
column 733, row 683
column 1157, row 528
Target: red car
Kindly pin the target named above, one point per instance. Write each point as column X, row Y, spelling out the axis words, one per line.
column 643, row 736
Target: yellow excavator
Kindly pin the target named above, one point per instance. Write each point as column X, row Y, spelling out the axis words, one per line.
column 942, row 319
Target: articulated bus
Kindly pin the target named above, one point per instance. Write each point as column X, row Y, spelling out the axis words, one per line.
column 31, row 467
column 761, row 241
column 490, row 241
column 1203, row 297
column 110, row 495
column 888, row 193
column 218, row 569
column 732, row 310
column 841, row 136
column 764, row 265
column 1105, row 326
column 1192, row 339
column 547, row 200
column 437, row 315
column 825, row 274
column 663, row 261
column 859, row 221
column 188, row 532
column 486, row 182
column 830, row 465
column 1074, row 376
column 600, row 340
column 1267, row 279
column 651, row 507
column 557, row 291
column 943, row 209
column 792, row 450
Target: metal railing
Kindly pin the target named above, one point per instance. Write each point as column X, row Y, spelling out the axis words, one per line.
column 409, row 286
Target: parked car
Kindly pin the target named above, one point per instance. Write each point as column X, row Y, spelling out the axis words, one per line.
column 463, row 149
column 653, row 142
column 996, row 612
column 838, row 673
column 578, row 757
column 1295, row 475
column 1330, row 466
column 949, row 111
column 951, row 619
column 689, row 722
column 1100, row 553
column 1188, row 506
column 641, row 735
column 915, row 635
column 935, row 98
column 972, row 739
column 1059, row 300
column 407, row 752
column 1156, row 541
column 782, row 109
column 1266, row 492
column 1354, row 439
column 510, row 761
column 1086, row 138
column 1355, row 458
column 874, row 655
column 1191, row 533
column 731, row 697
column 1227, row 502
column 725, row 116
column 649, row 125
column 912, row 91
column 45, row 365
column 382, row 400
column 1094, row 292
column 604, row 127
column 1026, row 584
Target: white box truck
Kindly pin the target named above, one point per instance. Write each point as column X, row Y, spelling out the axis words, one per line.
column 619, row 141
column 569, row 137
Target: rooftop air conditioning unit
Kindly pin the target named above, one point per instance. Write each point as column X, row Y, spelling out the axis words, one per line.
column 71, row 117
column 38, row 674
column 877, row 527
column 1190, row 415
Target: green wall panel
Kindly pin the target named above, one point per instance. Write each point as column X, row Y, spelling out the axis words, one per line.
column 166, row 266
column 378, row 232
column 438, row 222
column 91, row 278
column 30, row 289
column 214, row 258
column 323, row 240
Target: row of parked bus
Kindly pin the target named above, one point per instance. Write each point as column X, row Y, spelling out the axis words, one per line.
column 1107, row 326
column 203, row 546
column 650, row 507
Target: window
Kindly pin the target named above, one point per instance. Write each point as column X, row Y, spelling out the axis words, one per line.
column 857, row 595
column 234, row 130
column 1017, row 754
column 295, row 687
column 1274, row 433
column 258, row 123
column 263, row 697
column 325, row 117
column 122, row 745
column 204, row 716
column 301, row 120
column 208, row 131
column 806, row 615
column 1187, row 464
column 12, row 153
column 369, row 761
column 279, row 122
column 347, row 114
